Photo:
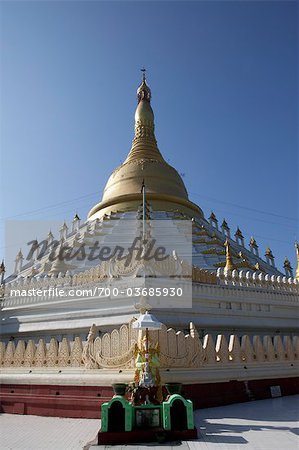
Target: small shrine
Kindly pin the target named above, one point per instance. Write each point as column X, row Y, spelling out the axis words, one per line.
column 143, row 411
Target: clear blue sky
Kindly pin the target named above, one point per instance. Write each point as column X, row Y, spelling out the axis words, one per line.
column 224, row 82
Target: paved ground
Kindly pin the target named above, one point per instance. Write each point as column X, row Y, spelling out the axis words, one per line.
column 262, row 425
column 45, row 433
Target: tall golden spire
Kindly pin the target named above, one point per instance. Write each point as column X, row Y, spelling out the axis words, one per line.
column 165, row 188
column 229, row 262
column 297, row 270
column 144, row 144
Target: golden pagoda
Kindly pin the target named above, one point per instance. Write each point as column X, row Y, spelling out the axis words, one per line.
column 60, row 354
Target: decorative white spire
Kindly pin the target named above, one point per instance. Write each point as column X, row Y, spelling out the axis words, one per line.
column 76, row 223
column 239, row 237
column 254, row 248
column 63, row 231
column 287, row 267
column 269, row 257
column 18, row 262
column 50, row 237
column 213, row 220
column 225, row 229
column 2, row 271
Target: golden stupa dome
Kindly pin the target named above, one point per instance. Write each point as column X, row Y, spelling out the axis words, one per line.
column 165, row 189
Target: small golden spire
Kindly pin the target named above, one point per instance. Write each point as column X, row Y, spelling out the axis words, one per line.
column 288, row 268
column 239, row 233
column 229, row 262
column 297, row 251
column 252, row 242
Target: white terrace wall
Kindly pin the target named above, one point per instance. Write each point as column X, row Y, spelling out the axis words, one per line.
column 116, row 350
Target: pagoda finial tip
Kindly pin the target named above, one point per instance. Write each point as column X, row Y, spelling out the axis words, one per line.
column 143, row 91
column 143, row 70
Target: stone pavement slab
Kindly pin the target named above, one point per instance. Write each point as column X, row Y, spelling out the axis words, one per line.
column 19, row 432
column 259, row 425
